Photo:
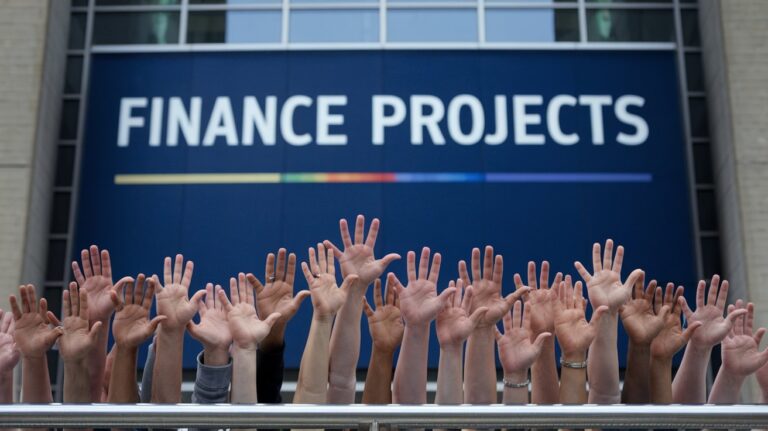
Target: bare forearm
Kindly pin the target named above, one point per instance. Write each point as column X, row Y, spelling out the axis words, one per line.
column 410, row 385
column 6, row 387
column 449, row 384
column 166, row 376
column 690, row 384
column 77, row 382
column 345, row 352
column 661, row 380
column 122, row 379
column 244, row 375
column 515, row 395
column 312, row 386
column 636, row 389
column 726, row 389
column 97, row 362
column 378, row 380
column 544, row 384
column 603, row 363
column 480, row 368
column 35, row 382
column 573, row 381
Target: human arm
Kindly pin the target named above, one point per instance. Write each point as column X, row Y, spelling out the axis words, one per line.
column 666, row 344
column 34, row 336
column 574, row 335
column 741, row 357
column 517, row 352
column 385, row 324
column 178, row 309
column 358, row 259
column 9, row 356
column 605, row 288
column 420, row 304
column 642, row 325
column 480, row 363
column 690, row 383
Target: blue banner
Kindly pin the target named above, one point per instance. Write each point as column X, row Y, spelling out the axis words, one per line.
column 226, row 156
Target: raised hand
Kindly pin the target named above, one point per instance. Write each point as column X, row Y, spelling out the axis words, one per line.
column 604, row 284
column 77, row 341
column 133, row 301
column 276, row 296
column 637, row 315
column 385, row 323
column 517, row 350
column 542, row 300
column 213, row 330
column 9, row 353
column 574, row 333
column 419, row 302
column 96, row 278
column 33, row 333
column 454, row 322
column 740, row 349
column 487, row 286
column 357, row 257
column 244, row 324
column 672, row 337
column 327, row 297
column 173, row 301
column 714, row 326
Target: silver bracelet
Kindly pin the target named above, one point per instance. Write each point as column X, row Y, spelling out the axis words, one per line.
column 509, row 384
column 575, row 365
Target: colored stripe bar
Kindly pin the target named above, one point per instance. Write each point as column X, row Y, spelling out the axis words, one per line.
column 382, row 177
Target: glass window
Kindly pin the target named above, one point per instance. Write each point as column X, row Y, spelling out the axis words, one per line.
column 57, row 252
column 334, row 26
column 136, row 2
column 432, row 25
column 69, row 111
column 690, row 20
column 693, row 72
column 136, row 27
column 702, row 163
column 65, row 165
column 234, row 27
column 77, row 31
column 333, row 1
column 506, row 2
column 74, row 74
column 276, row 2
column 60, row 212
column 630, row 25
column 629, row 1
column 531, row 25
column 710, row 255
column 699, row 119
column 79, row 2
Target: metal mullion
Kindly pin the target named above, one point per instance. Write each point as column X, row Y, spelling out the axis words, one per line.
column 73, row 52
column 183, row 22
column 71, row 96
column 481, row 21
column 567, row 6
column 432, row 5
column 335, row 6
column 139, row 8
column 383, row 22
column 234, row 7
column 285, row 35
column 67, row 143
column 583, row 35
column 648, row 6
column 692, row 49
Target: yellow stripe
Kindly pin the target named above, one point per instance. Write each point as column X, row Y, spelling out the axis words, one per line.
column 161, row 179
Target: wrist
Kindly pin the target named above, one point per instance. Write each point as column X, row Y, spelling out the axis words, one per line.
column 323, row 318
column 276, row 337
column 451, row 348
column 574, row 356
column 703, row 351
column 167, row 331
column 729, row 378
column 385, row 353
column 420, row 329
column 244, row 348
column 641, row 348
column 516, row 376
column 215, row 356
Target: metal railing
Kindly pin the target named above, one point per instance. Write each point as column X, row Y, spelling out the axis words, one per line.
column 372, row 416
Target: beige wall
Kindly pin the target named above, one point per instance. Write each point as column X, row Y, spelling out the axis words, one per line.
column 735, row 52
column 33, row 35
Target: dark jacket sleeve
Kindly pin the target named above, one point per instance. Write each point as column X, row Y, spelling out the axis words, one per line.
column 269, row 375
column 212, row 382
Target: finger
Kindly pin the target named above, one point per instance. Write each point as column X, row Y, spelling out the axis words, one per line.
column 53, row 319
column 735, row 314
column 51, row 336
column 77, row 273
column 488, row 263
column 66, row 303
column 83, row 303
column 532, row 275
column 516, row 295
column 271, row 319
column 209, row 300
column 299, row 298
column 579, row 296
column 758, row 337
column 377, row 299
column 5, row 324
column 713, row 287
column 390, row 294
column 233, row 293
column 373, row 232
column 633, row 276
column 367, row 308
column 434, row 272
column 392, row 280
column 222, row 297
column 269, row 268
column 498, row 269
column 463, row 273
column 177, row 269
column 307, row 273
column 196, row 298
column 344, row 230
column 686, row 309
column 619, row 260
column 476, row 273
column 322, row 261
column 750, row 319
column 106, row 264
column 688, row 333
column 597, row 315
column 558, row 279
column 15, row 309
column 336, row 252
column 95, row 260
column 722, row 296
column 186, row 280
column 466, row 301
column 657, row 301
column 410, row 262
column 241, row 296
column 445, row 295
column 85, row 261
column 159, row 319
column 424, row 263
column 349, row 281
column 518, row 281
column 597, row 266
column 167, row 272
column 95, row 330
column 359, row 228
column 247, row 288
column 540, row 339
column 74, row 299
column 149, row 292
column 25, row 306
column 477, row 316
column 582, row 271
column 32, row 296
column 128, row 292
column 290, row 271
column 386, row 260
column 281, row 260
column 257, row 286
column 138, row 289
column 608, row 255
column 544, row 276
column 511, row 320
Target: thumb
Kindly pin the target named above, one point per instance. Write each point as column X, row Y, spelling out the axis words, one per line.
column 52, row 317
column 350, row 280
column 51, row 337
column 686, row 309
column 445, row 295
column 272, row 318
column 386, row 260
column 598, row 314
column 634, row 276
column 539, row 341
column 299, row 298
column 191, row 327
column 664, row 312
column 736, row 313
column 688, row 333
column 95, row 330
column 497, row 333
column 155, row 322
column 477, row 315
column 367, row 307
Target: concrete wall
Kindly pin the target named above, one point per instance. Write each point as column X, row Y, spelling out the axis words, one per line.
column 33, row 37
column 735, row 53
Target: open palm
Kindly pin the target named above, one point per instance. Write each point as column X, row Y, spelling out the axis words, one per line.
column 604, row 284
column 95, row 277
column 740, row 349
column 9, row 353
column 419, row 302
column 385, row 323
column 517, row 351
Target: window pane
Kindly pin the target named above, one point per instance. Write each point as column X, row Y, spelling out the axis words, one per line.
column 693, row 72
column 136, row 2
column 60, row 212
column 57, row 252
column 690, row 19
column 699, row 119
column 136, row 27
column 702, row 163
column 334, row 26
column 73, row 75
column 333, row 1
column 490, row 2
column 707, row 210
column 710, row 256
column 276, row 2
column 79, row 2
column 427, row 25
column 531, row 25
column 622, row 25
column 65, row 165
column 69, row 111
column 77, row 31
column 234, row 27
column 629, row 1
